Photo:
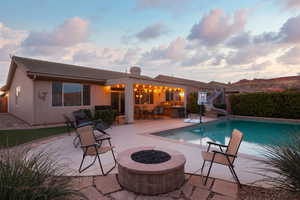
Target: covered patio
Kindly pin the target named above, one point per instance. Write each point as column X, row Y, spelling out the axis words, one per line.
column 143, row 98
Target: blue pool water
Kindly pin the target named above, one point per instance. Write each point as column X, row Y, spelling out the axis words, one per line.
column 256, row 133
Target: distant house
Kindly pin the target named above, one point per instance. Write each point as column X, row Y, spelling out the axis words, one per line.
column 40, row 92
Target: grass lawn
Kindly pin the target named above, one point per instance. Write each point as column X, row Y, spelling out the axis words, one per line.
column 9, row 138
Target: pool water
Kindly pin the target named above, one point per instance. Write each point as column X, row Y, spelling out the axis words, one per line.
column 256, row 133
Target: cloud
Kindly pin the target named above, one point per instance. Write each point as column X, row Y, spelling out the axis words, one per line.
column 196, row 59
column 216, row 27
column 260, row 66
column 249, row 54
column 175, row 51
column 9, row 36
column 290, row 31
column 10, row 40
column 241, row 40
column 131, row 56
column 93, row 55
column 152, row 31
column 291, row 57
column 290, row 4
column 73, row 31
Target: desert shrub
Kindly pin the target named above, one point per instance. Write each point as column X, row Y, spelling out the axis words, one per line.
column 108, row 116
column 32, row 177
column 88, row 113
column 192, row 105
column 279, row 105
column 284, row 161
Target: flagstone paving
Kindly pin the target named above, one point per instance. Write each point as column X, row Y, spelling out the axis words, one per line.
column 108, row 188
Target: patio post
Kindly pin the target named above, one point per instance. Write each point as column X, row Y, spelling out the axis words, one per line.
column 185, row 103
column 129, row 103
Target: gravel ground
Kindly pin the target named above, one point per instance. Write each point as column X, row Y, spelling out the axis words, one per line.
column 258, row 193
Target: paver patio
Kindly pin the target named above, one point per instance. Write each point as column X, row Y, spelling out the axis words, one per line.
column 108, row 188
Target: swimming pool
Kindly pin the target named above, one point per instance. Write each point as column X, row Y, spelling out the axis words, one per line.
column 256, row 133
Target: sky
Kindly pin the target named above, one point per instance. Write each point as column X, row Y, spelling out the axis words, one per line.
column 220, row 40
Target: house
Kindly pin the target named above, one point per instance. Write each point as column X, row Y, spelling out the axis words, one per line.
column 40, row 92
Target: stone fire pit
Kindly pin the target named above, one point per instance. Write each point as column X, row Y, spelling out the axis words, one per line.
column 151, row 170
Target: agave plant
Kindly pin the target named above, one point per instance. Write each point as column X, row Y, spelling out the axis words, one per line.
column 283, row 160
column 32, row 177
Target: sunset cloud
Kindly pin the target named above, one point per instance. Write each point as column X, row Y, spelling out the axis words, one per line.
column 290, row 4
column 73, row 31
column 291, row 57
column 216, row 27
column 152, row 31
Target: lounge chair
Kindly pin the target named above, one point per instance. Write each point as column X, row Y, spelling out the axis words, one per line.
column 223, row 157
column 91, row 147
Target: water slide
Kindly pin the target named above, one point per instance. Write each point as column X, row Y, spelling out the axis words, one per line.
column 209, row 106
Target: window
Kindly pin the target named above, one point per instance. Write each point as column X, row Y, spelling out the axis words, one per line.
column 56, row 94
column 172, row 95
column 86, row 95
column 70, row 94
column 169, row 95
column 142, row 97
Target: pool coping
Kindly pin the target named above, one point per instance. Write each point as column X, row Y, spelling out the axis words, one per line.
column 202, row 147
column 282, row 120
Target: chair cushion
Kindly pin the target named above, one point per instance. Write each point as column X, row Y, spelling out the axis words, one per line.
column 83, row 124
column 219, row 158
column 91, row 151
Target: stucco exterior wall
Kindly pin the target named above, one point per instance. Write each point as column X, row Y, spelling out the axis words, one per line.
column 45, row 113
column 23, row 107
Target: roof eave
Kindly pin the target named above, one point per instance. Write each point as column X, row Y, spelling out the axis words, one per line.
column 11, row 72
column 49, row 77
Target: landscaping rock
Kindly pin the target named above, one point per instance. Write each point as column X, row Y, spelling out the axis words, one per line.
column 79, row 183
column 225, row 188
column 187, row 190
column 220, row 197
column 92, row 194
column 122, row 195
column 198, row 181
column 107, row 184
column 200, row 194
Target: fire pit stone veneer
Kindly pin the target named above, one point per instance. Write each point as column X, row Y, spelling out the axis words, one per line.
column 164, row 176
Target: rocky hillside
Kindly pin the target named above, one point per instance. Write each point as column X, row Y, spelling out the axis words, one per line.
column 264, row 85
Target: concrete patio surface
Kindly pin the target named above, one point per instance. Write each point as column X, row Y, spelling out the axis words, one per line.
column 136, row 135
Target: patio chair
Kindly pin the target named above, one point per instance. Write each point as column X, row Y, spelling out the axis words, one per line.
column 71, row 126
column 93, row 148
column 82, row 120
column 224, row 158
column 158, row 111
column 69, row 123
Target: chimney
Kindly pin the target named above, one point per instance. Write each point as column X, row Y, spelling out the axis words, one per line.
column 134, row 70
